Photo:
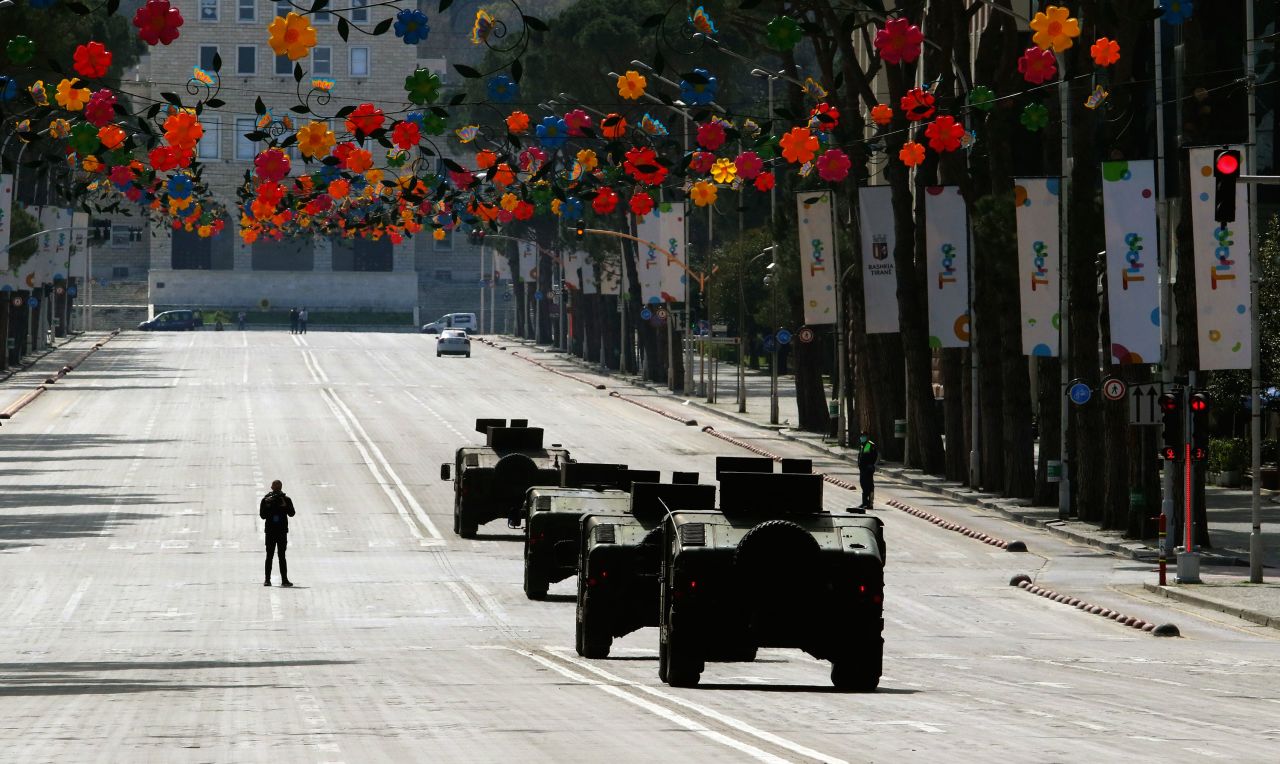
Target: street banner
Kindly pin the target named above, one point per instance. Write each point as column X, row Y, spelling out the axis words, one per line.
column 78, row 263
column 670, row 219
column 611, row 274
column 1223, row 268
column 879, row 279
column 1035, row 203
column 6, row 213
column 528, row 262
column 1133, row 284
column 817, row 256
column 61, row 245
column 946, row 241
column 651, row 263
column 31, row 273
column 572, row 262
column 588, row 275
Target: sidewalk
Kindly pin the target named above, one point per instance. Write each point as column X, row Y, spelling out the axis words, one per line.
column 22, row 381
column 1224, row 571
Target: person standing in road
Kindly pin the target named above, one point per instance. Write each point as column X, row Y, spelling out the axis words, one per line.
column 240, row 321
column 276, row 508
column 293, row 320
column 868, row 458
column 302, row 320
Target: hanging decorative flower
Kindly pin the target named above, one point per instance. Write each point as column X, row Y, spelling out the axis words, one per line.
column 764, row 181
column 532, row 159
column 272, row 165
column 613, row 126
column 20, row 49
column 798, row 145
column 911, row 154
column 641, row 163
column 501, row 177
column 1037, row 66
column 701, row 21
column 881, row 114
column 183, row 130
column 411, row 26
column 502, row 89
column 749, row 165
column 641, row 204
column 435, row 124
column 71, row 97
column 1035, row 117
column 517, row 122
column 783, row 33
column 157, row 22
column 552, row 132
column 39, row 96
column 92, row 60
column 84, row 139
column 982, row 98
column 291, row 36
column 423, row 86
column 1175, row 12
column 700, row 162
column 163, row 158
column 101, row 108
column 899, row 41
column 316, row 140
column 1053, row 29
column 112, row 137
column 576, row 121
column 698, row 88
column 631, row 85
column 824, row 117
column 60, row 128
column 365, row 120
column 833, row 166
column 606, row 201
column 918, row 104
column 703, row 193
column 485, row 159
column 588, row 160
column 711, row 135
column 179, row 186
column 1105, row 52
column 724, row 171
column 405, row 135
column 944, row 134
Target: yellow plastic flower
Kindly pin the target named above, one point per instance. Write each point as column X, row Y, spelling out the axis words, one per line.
column 1053, row 29
column 587, row 158
column 439, row 234
column 509, row 202
column 557, row 207
column 631, row 85
column 315, row 139
column 71, row 97
column 291, row 36
column 373, row 175
column 724, row 171
column 91, row 164
column 703, row 193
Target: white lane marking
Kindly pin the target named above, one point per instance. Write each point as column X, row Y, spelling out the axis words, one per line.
column 710, row 713
column 74, row 601
column 654, row 708
column 461, row 594
column 277, row 612
column 448, row 425
column 1206, row 752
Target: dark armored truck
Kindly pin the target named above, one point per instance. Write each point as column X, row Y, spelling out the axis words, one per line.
column 618, row 561
column 490, row 481
column 771, row 568
column 551, row 517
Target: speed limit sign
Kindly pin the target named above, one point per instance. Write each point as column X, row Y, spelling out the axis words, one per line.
column 805, row 335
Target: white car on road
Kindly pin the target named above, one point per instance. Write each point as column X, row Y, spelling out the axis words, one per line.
column 453, row 342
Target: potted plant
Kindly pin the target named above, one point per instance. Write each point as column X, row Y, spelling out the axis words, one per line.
column 1227, row 459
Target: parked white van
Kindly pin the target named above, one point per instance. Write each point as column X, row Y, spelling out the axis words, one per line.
column 465, row 321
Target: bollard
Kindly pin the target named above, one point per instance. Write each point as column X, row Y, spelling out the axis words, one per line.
column 1161, row 538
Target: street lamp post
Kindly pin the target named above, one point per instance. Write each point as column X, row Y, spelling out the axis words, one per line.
column 771, row 281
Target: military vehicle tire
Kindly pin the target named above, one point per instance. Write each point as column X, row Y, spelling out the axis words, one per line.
column 855, row 674
column 534, row 587
column 461, row 527
column 675, row 667
column 592, row 641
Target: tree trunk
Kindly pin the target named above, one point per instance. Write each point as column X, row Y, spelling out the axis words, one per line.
column 954, row 388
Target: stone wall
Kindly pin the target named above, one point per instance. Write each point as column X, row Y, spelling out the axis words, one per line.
column 282, row 289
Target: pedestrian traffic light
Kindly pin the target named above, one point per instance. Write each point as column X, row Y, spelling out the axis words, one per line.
column 1199, row 405
column 581, row 231
column 1171, row 420
column 1226, row 173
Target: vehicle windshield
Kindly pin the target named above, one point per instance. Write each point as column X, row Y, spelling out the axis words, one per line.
column 453, row 333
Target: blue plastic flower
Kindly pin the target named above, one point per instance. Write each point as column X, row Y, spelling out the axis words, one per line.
column 411, row 26
column 552, row 132
column 699, row 88
column 180, row 187
column 416, row 117
column 328, row 173
column 502, row 89
column 8, row 88
column 1175, row 11
column 572, row 209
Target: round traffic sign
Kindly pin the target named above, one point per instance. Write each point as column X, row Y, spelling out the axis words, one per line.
column 784, row 337
column 646, row 314
column 33, row 302
column 1080, row 393
column 1114, row 389
column 58, row 290
column 805, row 335
column 537, row 295
column 662, row 314
column 17, row 302
column 71, row 290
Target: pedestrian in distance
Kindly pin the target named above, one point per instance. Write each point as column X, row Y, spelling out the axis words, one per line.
column 302, row 320
column 240, row 321
column 868, row 458
column 276, row 508
column 293, row 320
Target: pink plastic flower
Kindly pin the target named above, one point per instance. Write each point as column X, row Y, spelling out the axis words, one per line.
column 101, row 108
column 158, row 22
column 701, row 161
column 576, row 120
column 272, row 165
column 711, row 135
column 833, row 166
column 899, row 41
column 1037, row 66
column 749, row 165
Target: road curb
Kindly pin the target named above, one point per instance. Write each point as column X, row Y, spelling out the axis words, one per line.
column 1199, row 600
column 26, row 399
column 1133, row 622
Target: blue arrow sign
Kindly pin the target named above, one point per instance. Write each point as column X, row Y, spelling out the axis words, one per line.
column 646, row 314
column 537, row 295
column 784, row 337
column 33, row 302
column 1080, row 393
column 72, row 291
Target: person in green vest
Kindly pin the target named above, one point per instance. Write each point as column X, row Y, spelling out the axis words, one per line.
column 868, row 458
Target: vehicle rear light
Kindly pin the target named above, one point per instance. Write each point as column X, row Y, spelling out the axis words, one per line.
column 535, row 538
column 591, row 581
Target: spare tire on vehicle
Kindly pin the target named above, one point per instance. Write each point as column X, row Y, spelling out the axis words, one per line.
column 514, row 473
column 778, row 561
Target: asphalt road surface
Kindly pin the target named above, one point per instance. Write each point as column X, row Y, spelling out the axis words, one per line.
column 135, row 626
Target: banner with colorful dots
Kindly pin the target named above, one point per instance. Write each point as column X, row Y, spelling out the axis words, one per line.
column 1223, row 268
column 1039, row 257
column 946, row 242
column 528, row 263
column 661, row 278
column 501, row 265
column 611, row 274
column 879, row 279
column 817, row 256
column 1133, row 273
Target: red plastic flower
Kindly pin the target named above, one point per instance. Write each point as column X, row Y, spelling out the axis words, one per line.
column 523, row 211
column 92, row 60
column 163, row 158
column 405, row 135
column 701, row 161
column 833, row 166
column 365, row 119
column 1105, row 52
column 944, row 134
column 749, row 165
column 764, row 181
column 824, row 117
column 576, row 120
column 641, row 204
column 881, row 114
column 911, row 154
column 711, row 135
column 532, row 159
column 917, row 104
column 1037, row 66
column 899, row 41
column 605, row 202
column 642, row 164
column 101, row 108
column 157, row 22
column 272, row 165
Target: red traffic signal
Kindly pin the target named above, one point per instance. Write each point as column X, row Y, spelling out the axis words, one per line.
column 1226, row 172
column 1199, row 453
column 1199, row 403
column 1169, row 453
column 1227, row 163
column 1169, row 402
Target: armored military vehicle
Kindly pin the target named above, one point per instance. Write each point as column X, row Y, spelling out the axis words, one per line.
column 771, row 568
column 618, row 561
column 490, row 481
column 551, row 514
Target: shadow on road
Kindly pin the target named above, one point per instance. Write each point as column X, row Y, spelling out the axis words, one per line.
column 27, row 529
column 69, row 678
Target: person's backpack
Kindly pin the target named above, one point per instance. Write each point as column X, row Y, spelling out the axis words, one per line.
column 277, row 509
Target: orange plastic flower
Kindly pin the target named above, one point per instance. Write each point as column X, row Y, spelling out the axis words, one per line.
column 881, row 114
column 912, row 153
column 1105, row 52
column 339, row 188
column 798, row 145
column 1053, row 29
column 111, row 136
column 631, row 85
column 517, row 122
column 704, row 193
column 291, row 36
column 588, row 160
column 359, row 160
column 315, row 139
column 503, row 176
column 365, row 119
column 613, row 126
column 485, row 159
column 71, row 97
column 183, row 130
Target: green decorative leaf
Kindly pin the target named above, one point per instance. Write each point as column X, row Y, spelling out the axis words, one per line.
column 457, row 99
column 319, row 5
column 79, row 8
column 467, row 71
column 536, row 24
column 215, row 103
column 344, row 111
column 344, row 28
column 444, row 5
column 747, row 5
column 382, row 27
column 112, row 7
column 300, row 109
column 452, row 165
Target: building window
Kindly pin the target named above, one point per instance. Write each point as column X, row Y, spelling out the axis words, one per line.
column 360, row 62
column 119, row 271
column 247, row 10
column 443, row 275
column 210, row 145
column 360, row 11
column 208, row 10
column 245, row 148
column 445, row 244
column 321, row 17
column 121, row 236
column 207, row 54
column 284, row 67
column 322, row 60
column 247, row 59
column 282, row 8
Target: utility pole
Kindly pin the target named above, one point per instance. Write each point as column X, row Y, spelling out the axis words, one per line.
column 1255, row 385
column 1166, row 296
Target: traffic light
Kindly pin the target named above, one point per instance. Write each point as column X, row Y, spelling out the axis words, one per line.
column 476, row 237
column 1171, row 419
column 1226, row 173
column 1199, row 405
column 581, row 231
